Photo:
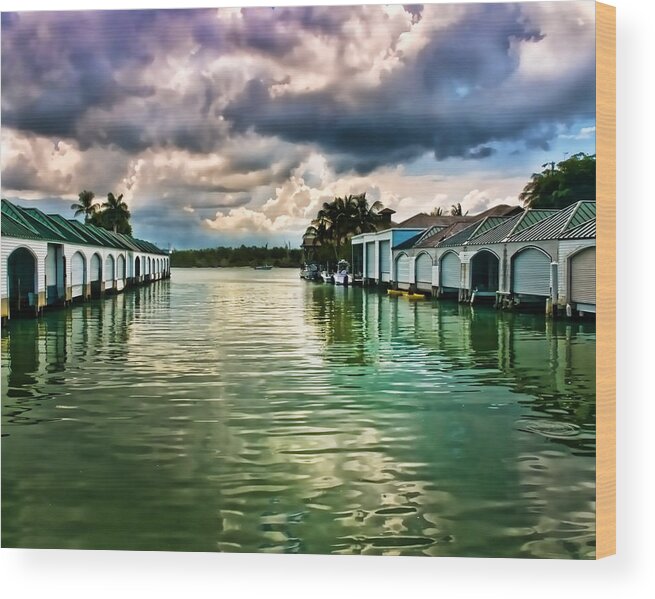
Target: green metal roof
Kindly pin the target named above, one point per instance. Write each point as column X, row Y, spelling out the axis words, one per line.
column 31, row 223
column 555, row 225
column 13, row 228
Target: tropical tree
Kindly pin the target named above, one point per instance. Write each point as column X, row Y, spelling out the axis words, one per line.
column 115, row 215
column 456, row 210
column 438, row 211
column 85, row 205
column 559, row 185
column 337, row 221
column 364, row 217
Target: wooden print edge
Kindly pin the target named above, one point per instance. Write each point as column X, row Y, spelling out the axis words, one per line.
column 606, row 280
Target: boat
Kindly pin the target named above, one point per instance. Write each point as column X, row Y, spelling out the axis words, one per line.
column 263, row 267
column 395, row 292
column 327, row 277
column 310, row 272
column 342, row 276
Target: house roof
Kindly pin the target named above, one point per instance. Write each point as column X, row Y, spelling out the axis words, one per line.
column 425, row 221
column 32, row 223
column 584, row 231
column 558, row 223
column 459, row 237
column 509, row 226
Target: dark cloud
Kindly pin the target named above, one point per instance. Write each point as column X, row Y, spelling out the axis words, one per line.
column 133, row 81
column 457, row 95
column 20, row 175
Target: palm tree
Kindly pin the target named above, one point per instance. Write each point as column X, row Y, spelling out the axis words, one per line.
column 337, row 221
column 437, row 211
column 85, row 205
column 363, row 217
column 116, row 214
column 456, row 210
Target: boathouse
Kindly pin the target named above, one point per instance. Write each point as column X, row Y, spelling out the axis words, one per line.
column 542, row 258
column 421, row 262
column 48, row 260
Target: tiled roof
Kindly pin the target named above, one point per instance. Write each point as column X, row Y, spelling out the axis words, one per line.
column 31, row 223
column 424, row 221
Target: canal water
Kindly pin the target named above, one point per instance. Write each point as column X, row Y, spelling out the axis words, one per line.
column 242, row 410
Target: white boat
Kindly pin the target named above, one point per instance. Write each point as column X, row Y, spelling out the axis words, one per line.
column 342, row 276
column 310, row 272
column 327, row 277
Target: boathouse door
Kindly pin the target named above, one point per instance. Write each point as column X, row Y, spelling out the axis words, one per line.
column 402, row 271
column 95, row 274
column 531, row 273
column 385, row 261
column 449, row 271
column 424, row 272
column 78, row 275
column 370, row 260
column 583, row 277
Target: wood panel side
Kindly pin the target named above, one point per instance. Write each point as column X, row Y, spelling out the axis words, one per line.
column 606, row 280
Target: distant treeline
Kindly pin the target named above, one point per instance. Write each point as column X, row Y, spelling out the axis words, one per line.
column 241, row 256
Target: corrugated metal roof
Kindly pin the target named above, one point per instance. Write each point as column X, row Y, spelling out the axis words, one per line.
column 584, row 213
column 31, row 223
column 13, row 228
column 510, row 227
column 430, row 241
column 555, row 225
column 584, row 231
column 460, row 237
column 498, row 233
column 532, row 217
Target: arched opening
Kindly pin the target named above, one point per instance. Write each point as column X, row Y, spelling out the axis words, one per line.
column 78, row 275
column 55, row 269
column 120, row 268
column 531, row 273
column 95, row 275
column 137, row 267
column 423, row 270
column 109, row 270
column 21, row 280
column 484, row 273
column 402, row 271
column 149, row 268
column 449, row 271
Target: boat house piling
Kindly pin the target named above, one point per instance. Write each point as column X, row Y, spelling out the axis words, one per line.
column 48, row 260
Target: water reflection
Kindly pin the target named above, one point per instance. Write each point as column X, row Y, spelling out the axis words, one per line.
column 233, row 411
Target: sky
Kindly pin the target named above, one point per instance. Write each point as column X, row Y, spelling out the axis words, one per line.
column 229, row 126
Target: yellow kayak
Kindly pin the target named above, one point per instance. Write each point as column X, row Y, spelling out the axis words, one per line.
column 395, row 292
column 414, row 296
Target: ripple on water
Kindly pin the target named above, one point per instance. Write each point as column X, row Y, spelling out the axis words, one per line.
column 232, row 411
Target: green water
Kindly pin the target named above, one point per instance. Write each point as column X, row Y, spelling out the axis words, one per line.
column 242, row 410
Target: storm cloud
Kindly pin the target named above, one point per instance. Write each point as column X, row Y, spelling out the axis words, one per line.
column 256, row 114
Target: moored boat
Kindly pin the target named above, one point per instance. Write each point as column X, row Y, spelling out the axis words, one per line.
column 263, row 267
column 342, row 276
column 310, row 272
